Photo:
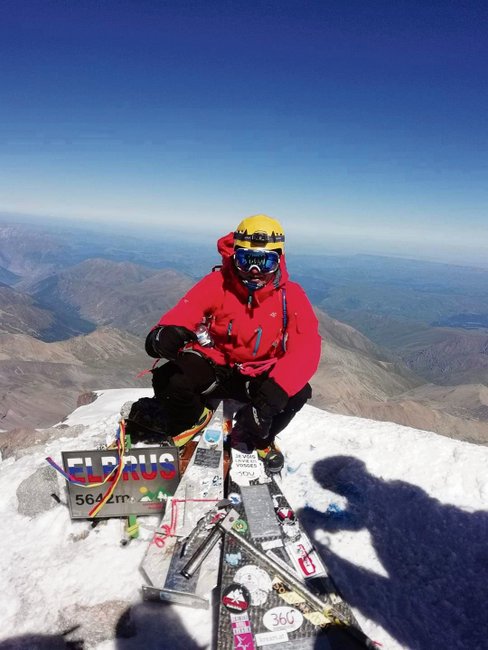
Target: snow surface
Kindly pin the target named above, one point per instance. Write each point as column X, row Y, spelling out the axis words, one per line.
column 399, row 515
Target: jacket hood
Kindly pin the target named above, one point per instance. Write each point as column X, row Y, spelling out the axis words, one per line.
column 225, row 246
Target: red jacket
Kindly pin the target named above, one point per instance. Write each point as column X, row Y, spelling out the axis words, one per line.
column 274, row 323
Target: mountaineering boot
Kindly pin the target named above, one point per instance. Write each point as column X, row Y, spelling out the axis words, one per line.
column 146, row 421
column 240, row 440
column 185, row 436
column 273, row 459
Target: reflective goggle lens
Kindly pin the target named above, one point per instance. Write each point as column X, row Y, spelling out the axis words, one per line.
column 265, row 261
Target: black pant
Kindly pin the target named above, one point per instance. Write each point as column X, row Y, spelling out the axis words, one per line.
column 188, row 384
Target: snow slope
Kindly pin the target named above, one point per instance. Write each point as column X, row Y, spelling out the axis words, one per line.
column 400, row 516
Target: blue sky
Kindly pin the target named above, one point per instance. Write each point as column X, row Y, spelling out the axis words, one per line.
column 362, row 126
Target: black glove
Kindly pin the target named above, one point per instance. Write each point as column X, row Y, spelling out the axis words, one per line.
column 268, row 396
column 166, row 340
column 267, row 400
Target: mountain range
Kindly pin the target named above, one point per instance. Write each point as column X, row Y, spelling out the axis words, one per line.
column 66, row 329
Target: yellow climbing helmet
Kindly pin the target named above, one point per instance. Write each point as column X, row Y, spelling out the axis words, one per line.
column 260, row 231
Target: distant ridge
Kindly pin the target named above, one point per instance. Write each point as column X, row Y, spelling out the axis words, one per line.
column 100, row 292
column 355, row 377
column 40, row 382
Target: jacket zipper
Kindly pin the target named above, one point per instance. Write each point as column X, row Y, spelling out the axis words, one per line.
column 259, row 333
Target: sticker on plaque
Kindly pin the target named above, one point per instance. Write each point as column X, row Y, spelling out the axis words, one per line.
column 236, row 598
column 212, row 436
column 268, row 544
column 233, row 559
column 207, row 457
column 208, row 484
column 286, row 517
column 283, row 618
column 245, row 468
column 319, row 619
column 291, row 530
column 240, row 526
column 241, row 632
column 270, row 638
column 257, row 582
column 234, row 498
column 305, row 558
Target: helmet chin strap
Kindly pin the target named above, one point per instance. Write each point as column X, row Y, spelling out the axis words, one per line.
column 256, row 282
column 254, row 286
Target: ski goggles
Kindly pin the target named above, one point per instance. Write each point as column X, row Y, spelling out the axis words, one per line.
column 263, row 260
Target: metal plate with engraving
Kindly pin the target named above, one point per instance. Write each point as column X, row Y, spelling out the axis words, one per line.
column 260, row 514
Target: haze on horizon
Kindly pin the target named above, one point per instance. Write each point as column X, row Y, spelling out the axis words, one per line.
column 362, row 128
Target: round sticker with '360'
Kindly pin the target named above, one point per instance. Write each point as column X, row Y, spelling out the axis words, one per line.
column 280, row 619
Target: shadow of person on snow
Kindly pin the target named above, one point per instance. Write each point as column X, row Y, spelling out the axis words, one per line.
column 43, row 642
column 153, row 626
column 435, row 555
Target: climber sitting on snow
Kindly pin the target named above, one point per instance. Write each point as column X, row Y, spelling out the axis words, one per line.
column 257, row 343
